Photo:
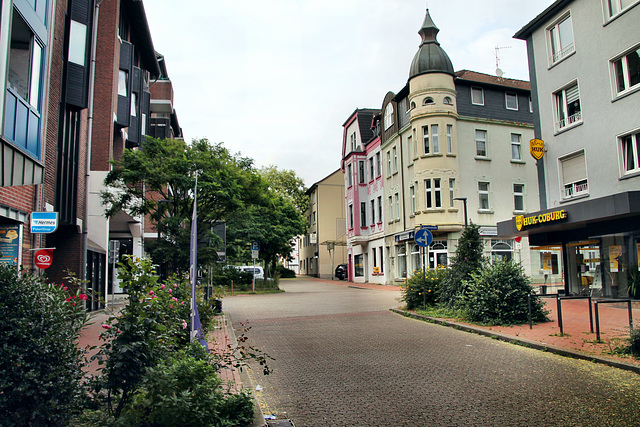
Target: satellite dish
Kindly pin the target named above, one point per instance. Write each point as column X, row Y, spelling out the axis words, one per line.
column 499, row 72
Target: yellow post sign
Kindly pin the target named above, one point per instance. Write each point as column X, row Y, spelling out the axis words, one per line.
column 536, row 148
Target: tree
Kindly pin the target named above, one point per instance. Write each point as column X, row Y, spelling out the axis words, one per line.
column 158, row 180
column 286, row 183
column 467, row 260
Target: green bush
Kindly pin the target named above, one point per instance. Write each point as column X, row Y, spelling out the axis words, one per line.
column 498, row 294
column 412, row 291
column 634, row 343
column 285, row 273
column 40, row 366
column 184, row 390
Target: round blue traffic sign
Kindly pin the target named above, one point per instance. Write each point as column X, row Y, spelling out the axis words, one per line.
column 423, row 237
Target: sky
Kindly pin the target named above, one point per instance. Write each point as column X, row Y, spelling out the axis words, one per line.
column 275, row 80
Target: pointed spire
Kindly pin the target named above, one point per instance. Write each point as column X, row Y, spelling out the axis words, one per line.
column 429, row 31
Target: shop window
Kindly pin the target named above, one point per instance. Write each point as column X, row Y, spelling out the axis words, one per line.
column 416, row 258
column 402, row 261
column 501, row 250
column 358, row 265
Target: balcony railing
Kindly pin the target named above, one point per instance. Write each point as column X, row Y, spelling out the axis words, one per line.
column 577, row 117
column 576, row 189
column 562, row 53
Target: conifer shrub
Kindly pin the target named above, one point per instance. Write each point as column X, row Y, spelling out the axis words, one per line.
column 498, row 294
column 423, row 289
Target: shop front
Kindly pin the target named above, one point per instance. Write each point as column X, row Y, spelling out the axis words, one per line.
column 589, row 248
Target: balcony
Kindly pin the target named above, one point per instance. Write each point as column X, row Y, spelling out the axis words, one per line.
column 576, row 189
column 575, row 118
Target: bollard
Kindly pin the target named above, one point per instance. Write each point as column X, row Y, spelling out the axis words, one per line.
column 560, row 315
column 595, row 304
column 530, row 315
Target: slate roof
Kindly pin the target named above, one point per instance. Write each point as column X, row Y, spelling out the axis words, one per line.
column 473, row 76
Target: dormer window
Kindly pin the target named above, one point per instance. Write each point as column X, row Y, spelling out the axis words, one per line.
column 388, row 116
column 428, row 101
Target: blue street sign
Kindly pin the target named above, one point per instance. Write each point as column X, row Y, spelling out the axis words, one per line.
column 423, row 237
column 430, row 227
column 255, row 246
column 44, row 222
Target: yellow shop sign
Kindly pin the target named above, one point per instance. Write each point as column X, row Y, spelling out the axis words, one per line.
column 525, row 221
column 536, row 148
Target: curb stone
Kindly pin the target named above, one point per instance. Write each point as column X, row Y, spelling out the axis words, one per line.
column 519, row 341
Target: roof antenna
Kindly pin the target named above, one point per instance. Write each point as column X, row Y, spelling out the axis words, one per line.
column 499, row 72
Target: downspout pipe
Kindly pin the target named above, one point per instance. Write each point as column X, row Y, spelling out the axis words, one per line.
column 92, row 76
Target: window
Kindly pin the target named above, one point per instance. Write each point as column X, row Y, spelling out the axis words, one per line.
column 483, row 195
column 373, row 212
column 516, row 146
column 379, row 208
column 501, row 250
column 390, row 208
column 511, row 100
column 123, row 83
column 373, row 256
column 358, row 265
column 363, row 214
column 481, row 143
column 627, row 71
column 352, row 138
column 349, row 175
column 381, row 260
column 415, row 258
column 25, row 62
column 395, row 160
column 411, row 148
column 434, row 139
column 77, row 43
column 402, row 261
column 574, row 175
column 388, row 163
column 371, row 171
column 630, row 153
column 432, row 193
column 428, row 101
column 425, row 139
column 617, row 6
column 518, row 197
column 397, row 200
column 447, row 101
column 477, row 96
column 362, row 177
column 530, row 105
column 350, row 216
column 388, row 116
column 134, row 104
column 568, row 106
column 561, row 39
column 449, row 139
column 412, row 195
column 378, row 164
column 452, row 184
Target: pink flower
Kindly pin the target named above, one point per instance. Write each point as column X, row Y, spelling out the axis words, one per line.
column 105, row 326
column 150, row 292
column 83, row 297
column 170, row 305
column 65, row 288
column 184, row 324
column 175, row 299
column 182, row 303
column 175, row 285
column 170, row 290
column 162, row 287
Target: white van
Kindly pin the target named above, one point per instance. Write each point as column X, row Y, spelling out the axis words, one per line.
column 257, row 270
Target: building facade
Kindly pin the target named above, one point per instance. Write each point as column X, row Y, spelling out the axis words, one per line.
column 584, row 63
column 452, row 149
column 363, row 183
column 323, row 247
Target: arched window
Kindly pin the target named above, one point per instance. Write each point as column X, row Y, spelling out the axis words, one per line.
column 501, row 250
column 428, row 101
column 413, row 105
column 388, row 116
column 447, row 100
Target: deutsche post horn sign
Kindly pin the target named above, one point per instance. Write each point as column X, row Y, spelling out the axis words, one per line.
column 536, row 148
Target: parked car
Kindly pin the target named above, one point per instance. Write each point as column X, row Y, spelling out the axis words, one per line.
column 341, row 272
column 257, row 270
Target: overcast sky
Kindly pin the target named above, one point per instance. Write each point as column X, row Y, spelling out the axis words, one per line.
column 275, row 79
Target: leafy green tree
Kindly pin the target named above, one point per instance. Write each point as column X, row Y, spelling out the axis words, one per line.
column 158, row 180
column 286, row 183
column 467, row 260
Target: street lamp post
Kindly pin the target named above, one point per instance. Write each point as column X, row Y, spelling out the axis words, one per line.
column 464, row 202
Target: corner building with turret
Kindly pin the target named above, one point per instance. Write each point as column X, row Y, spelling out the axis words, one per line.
column 454, row 149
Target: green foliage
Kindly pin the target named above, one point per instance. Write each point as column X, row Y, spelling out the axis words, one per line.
column 285, row 273
column 467, row 260
column 634, row 343
column 421, row 289
column 40, row 366
column 633, row 283
column 151, row 326
column 286, row 183
column 184, row 390
column 498, row 294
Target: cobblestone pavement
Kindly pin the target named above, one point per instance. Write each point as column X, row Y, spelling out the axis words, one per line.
column 342, row 359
